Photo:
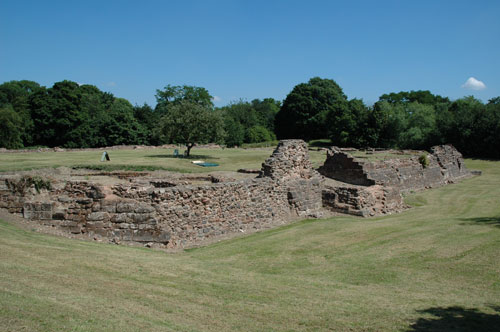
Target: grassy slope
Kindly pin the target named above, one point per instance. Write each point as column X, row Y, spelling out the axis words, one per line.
column 228, row 159
column 347, row 273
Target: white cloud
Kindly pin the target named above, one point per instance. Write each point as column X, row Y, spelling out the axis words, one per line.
column 216, row 99
column 474, row 84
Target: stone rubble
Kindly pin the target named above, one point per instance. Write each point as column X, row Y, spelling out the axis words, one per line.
column 180, row 214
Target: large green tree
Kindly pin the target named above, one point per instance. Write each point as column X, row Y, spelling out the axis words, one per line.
column 174, row 94
column 191, row 123
column 249, row 122
column 10, row 128
column 307, row 107
column 17, row 94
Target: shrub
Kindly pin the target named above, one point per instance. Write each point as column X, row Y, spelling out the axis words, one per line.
column 423, row 160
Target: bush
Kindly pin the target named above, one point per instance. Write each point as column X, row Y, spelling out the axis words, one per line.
column 423, row 160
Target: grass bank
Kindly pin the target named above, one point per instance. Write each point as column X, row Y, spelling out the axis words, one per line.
column 434, row 267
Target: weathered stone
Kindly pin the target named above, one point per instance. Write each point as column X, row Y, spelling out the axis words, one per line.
column 95, row 216
column 125, row 207
column 287, row 187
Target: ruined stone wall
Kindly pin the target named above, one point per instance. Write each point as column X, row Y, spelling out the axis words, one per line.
column 179, row 216
column 362, row 201
column 445, row 165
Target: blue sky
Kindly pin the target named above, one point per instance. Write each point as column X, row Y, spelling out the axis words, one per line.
column 254, row 49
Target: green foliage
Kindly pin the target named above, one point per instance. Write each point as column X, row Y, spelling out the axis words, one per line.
column 420, row 126
column 10, row 128
column 174, row 94
column 190, row 123
column 420, row 96
column 235, row 132
column 79, row 116
column 20, row 186
column 348, row 127
column 423, row 160
column 246, row 122
column 310, row 108
column 259, row 134
column 17, row 94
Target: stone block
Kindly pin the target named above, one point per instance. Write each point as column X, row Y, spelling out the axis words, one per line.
column 125, row 207
column 97, row 216
column 144, row 209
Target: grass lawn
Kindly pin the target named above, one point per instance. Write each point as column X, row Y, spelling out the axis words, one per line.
column 139, row 159
column 435, row 267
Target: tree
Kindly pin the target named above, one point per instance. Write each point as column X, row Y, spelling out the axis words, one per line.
column 235, row 132
column 191, row 123
column 10, row 128
column 17, row 94
column 258, row 134
column 420, row 96
column 56, row 113
column 421, row 125
column 173, row 95
column 306, row 108
column 348, row 127
column 148, row 119
column 266, row 111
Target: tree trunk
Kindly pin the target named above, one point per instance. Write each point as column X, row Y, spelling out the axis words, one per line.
column 189, row 147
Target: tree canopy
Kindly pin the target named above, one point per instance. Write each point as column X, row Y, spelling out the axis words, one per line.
column 175, row 94
column 191, row 123
column 68, row 114
column 307, row 107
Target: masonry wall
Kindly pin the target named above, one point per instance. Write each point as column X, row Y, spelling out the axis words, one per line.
column 445, row 165
column 362, row 201
column 180, row 216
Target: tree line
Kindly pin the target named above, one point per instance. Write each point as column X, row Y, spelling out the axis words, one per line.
column 404, row 120
column 79, row 116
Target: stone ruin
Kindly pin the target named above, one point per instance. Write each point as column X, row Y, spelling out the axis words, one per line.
column 177, row 214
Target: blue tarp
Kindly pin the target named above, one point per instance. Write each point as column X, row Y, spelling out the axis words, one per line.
column 207, row 164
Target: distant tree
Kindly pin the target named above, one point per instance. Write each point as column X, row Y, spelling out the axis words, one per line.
column 306, row 108
column 258, row 134
column 420, row 127
column 266, row 111
column 56, row 113
column 420, row 96
column 235, row 132
column 249, row 122
column 348, row 127
column 17, row 94
column 10, row 128
column 191, row 123
column 174, row 94
column 148, row 119
column 464, row 131
column 121, row 127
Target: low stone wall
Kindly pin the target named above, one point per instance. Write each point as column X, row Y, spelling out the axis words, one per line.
column 180, row 216
column 445, row 165
column 176, row 215
column 363, row 201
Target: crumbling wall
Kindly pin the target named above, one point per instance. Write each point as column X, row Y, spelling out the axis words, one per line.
column 362, row 201
column 444, row 165
column 343, row 167
column 179, row 216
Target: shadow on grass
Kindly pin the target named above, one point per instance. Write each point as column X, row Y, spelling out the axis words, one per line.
column 457, row 319
column 495, row 221
column 192, row 156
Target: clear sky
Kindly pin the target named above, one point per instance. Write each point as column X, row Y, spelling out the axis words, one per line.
column 254, row 49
